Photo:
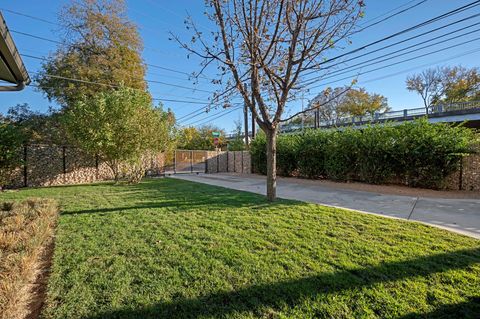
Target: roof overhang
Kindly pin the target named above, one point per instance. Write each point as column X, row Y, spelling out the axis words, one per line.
column 12, row 69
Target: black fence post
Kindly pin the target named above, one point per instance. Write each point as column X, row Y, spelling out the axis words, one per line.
column 191, row 161
column 96, row 165
column 64, row 151
column 460, row 177
column 206, row 162
column 242, row 162
column 25, row 180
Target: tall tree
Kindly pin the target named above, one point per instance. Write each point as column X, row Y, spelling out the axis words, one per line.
column 99, row 45
column 327, row 104
column 271, row 44
column 192, row 138
column 358, row 102
column 428, row 84
column 119, row 126
column 445, row 85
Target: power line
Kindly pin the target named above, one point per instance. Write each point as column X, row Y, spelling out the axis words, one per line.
column 61, row 43
column 215, row 117
column 385, row 13
column 399, row 62
column 146, row 80
column 380, row 59
column 28, row 16
column 417, row 26
column 394, row 14
column 397, row 43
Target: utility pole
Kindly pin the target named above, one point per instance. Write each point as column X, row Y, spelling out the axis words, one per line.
column 254, row 123
column 245, row 115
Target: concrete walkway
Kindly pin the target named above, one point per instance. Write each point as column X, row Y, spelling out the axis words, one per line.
column 458, row 215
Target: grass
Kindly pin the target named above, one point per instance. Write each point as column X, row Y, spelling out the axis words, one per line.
column 174, row 249
column 26, row 229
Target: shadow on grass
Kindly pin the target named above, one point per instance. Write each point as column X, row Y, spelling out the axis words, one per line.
column 181, row 196
column 253, row 298
column 467, row 309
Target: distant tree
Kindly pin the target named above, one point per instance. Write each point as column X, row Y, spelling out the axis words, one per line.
column 271, row 45
column 11, row 140
column 358, row 102
column 99, row 44
column 191, row 138
column 445, row 85
column 428, row 84
column 238, row 143
column 460, row 84
column 327, row 103
column 119, row 126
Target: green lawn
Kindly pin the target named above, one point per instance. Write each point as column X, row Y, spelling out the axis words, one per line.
column 173, row 249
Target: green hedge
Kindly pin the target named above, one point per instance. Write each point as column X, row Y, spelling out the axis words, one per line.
column 418, row 153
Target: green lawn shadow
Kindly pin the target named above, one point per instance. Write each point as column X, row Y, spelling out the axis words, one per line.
column 253, row 298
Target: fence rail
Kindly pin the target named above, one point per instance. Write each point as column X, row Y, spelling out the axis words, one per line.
column 438, row 109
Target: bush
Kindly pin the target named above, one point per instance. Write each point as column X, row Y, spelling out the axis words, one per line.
column 311, row 153
column 11, row 140
column 25, row 231
column 287, row 153
column 258, row 151
column 418, row 153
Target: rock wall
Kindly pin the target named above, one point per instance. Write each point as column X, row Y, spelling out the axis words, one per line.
column 49, row 165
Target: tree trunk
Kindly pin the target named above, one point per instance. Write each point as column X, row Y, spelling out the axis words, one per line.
column 271, row 164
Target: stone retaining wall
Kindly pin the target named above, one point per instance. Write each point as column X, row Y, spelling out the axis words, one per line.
column 48, row 165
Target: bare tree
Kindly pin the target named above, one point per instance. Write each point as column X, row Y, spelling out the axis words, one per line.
column 271, row 44
column 428, row 84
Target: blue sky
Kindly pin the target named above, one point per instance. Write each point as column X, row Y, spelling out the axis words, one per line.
column 156, row 18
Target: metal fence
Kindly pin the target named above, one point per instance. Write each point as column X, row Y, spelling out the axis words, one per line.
column 385, row 116
column 190, row 161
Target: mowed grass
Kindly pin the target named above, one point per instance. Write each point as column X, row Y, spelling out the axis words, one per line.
column 173, row 249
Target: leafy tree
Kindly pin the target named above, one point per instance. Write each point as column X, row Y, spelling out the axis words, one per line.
column 445, row 85
column 460, row 84
column 36, row 127
column 11, row 140
column 238, row 143
column 191, row 138
column 99, row 44
column 119, row 126
column 358, row 102
column 271, row 44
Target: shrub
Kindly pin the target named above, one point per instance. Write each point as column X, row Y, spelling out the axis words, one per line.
column 342, row 151
column 419, row 153
column 11, row 139
column 428, row 153
column 311, row 153
column 258, row 151
column 287, row 153
column 25, row 231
